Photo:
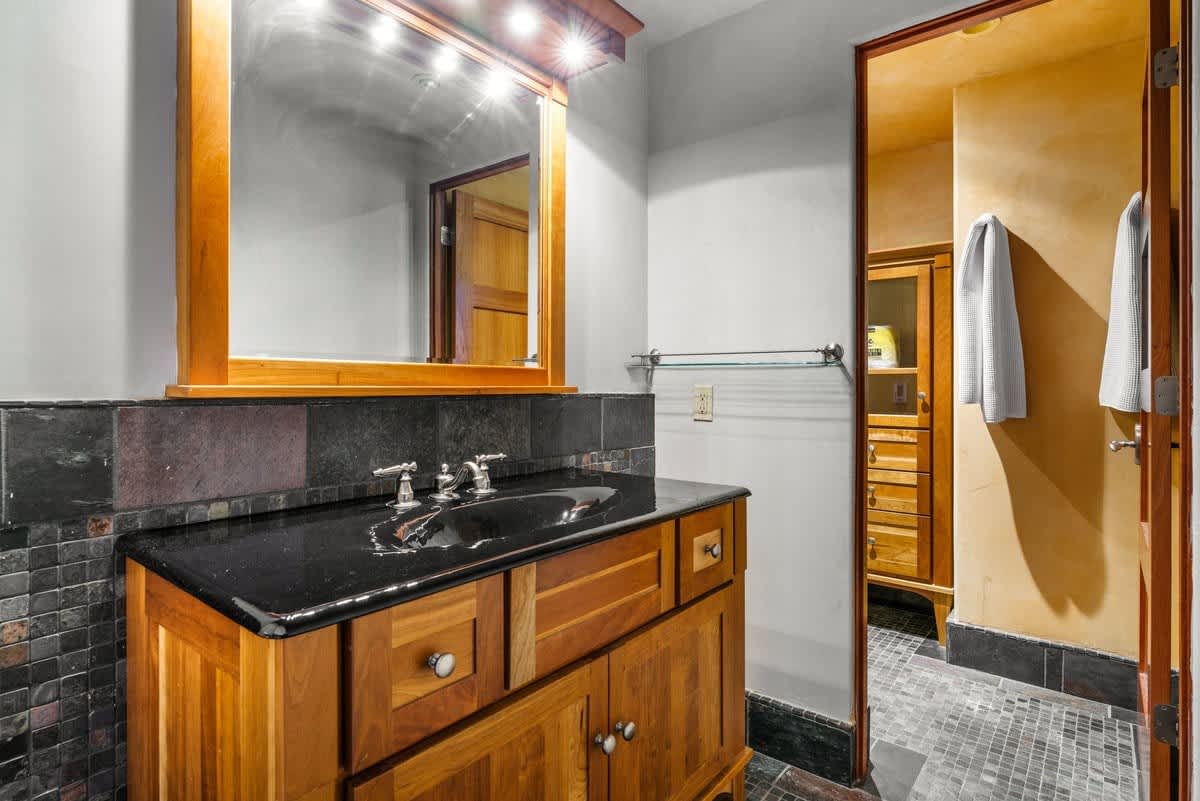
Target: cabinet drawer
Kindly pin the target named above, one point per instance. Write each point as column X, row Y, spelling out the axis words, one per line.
column 898, row 449
column 568, row 606
column 898, row 491
column 705, row 551
column 394, row 695
column 898, row 544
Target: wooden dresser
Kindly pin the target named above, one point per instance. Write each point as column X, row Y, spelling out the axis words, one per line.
column 909, row 520
column 612, row 672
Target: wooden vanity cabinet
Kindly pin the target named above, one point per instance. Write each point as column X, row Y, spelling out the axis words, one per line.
column 355, row 711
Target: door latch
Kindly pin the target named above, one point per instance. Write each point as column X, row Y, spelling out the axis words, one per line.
column 1166, row 396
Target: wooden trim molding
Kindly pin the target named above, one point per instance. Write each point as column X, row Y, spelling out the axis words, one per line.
column 206, row 368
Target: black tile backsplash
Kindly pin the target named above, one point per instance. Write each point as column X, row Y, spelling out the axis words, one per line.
column 628, row 421
column 466, row 428
column 57, row 463
column 346, row 442
column 561, row 426
column 62, row 627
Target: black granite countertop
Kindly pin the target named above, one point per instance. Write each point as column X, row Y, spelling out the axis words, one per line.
column 288, row 573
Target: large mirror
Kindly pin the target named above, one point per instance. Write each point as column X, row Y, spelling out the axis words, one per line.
column 384, row 193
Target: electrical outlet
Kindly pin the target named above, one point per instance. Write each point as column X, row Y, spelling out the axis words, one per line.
column 702, row 403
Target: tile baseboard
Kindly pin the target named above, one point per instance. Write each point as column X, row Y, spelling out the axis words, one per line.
column 814, row 743
column 1095, row 675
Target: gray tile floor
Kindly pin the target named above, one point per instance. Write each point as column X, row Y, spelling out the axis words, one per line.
column 944, row 733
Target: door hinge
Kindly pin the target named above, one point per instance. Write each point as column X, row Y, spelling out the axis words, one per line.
column 1166, row 396
column 1166, row 68
column 447, row 235
column 1166, row 724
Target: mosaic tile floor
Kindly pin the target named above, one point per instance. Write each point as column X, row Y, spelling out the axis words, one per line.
column 944, row 733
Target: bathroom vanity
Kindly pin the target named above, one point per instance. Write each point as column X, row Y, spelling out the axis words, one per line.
column 578, row 635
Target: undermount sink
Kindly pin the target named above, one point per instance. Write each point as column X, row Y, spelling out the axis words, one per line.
column 471, row 522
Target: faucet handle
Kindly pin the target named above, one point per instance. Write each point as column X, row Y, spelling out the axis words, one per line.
column 405, row 499
column 483, row 460
column 403, row 470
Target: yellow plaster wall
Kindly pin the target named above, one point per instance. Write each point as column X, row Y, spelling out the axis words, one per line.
column 910, row 196
column 1045, row 516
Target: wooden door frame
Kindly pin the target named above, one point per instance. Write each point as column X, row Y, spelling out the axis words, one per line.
column 906, row 37
column 441, row 268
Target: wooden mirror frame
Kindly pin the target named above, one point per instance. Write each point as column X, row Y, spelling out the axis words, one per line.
column 206, row 370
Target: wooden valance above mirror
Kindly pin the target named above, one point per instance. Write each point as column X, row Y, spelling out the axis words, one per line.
column 371, row 193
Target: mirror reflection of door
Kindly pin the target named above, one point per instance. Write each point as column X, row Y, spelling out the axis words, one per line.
column 488, row 304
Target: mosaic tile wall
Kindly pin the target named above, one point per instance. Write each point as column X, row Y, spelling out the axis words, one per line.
column 75, row 476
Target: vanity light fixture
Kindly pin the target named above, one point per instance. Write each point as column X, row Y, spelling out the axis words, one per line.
column 446, row 61
column 523, row 22
column 384, row 31
column 575, row 51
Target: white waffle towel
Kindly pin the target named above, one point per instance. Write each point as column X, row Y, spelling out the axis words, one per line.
column 991, row 362
column 1124, row 352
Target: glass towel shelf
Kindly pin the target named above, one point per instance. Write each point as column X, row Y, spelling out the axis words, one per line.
column 830, row 356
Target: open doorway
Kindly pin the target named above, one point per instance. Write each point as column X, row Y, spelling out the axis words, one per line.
column 1020, row 609
column 484, row 278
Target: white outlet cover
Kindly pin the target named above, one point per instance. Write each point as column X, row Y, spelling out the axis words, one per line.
column 702, row 403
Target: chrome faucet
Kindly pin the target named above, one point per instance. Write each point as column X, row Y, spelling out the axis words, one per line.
column 478, row 472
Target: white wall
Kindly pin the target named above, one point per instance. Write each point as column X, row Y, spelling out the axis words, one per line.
column 87, row 221
column 607, row 147
column 751, row 246
column 87, row 218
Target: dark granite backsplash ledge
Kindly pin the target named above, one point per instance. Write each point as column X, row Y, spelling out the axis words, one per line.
column 75, row 476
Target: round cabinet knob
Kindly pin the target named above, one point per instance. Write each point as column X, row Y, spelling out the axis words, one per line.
column 714, row 551
column 606, row 744
column 442, row 665
column 628, row 730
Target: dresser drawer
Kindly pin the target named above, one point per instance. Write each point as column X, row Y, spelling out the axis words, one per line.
column 566, row 607
column 898, row 449
column 898, row 491
column 705, row 551
column 396, row 696
column 898, row 545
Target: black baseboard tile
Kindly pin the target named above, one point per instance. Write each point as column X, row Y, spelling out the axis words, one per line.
column 1081, row 672
column 804, row 739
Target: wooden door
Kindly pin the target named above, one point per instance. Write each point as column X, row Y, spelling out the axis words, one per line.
column 898, row 299
column 1155, row 551
column 537, row 747
column 491, row 282
column 675, row 684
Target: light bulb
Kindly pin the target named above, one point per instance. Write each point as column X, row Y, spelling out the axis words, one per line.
column 523, row 22
column 384, row 32
column 445, row 62
column 575, row 51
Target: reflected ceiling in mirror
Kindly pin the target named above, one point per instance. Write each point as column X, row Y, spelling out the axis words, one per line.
column 376, row 208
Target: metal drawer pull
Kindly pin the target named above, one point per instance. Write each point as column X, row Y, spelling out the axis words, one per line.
column 442, row 665
column 628, row 730
column 606, row 744
column 713, row 550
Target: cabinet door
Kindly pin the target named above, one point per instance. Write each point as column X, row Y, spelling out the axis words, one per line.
column 899, row 346
column 676, row 683
column 536, row 747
